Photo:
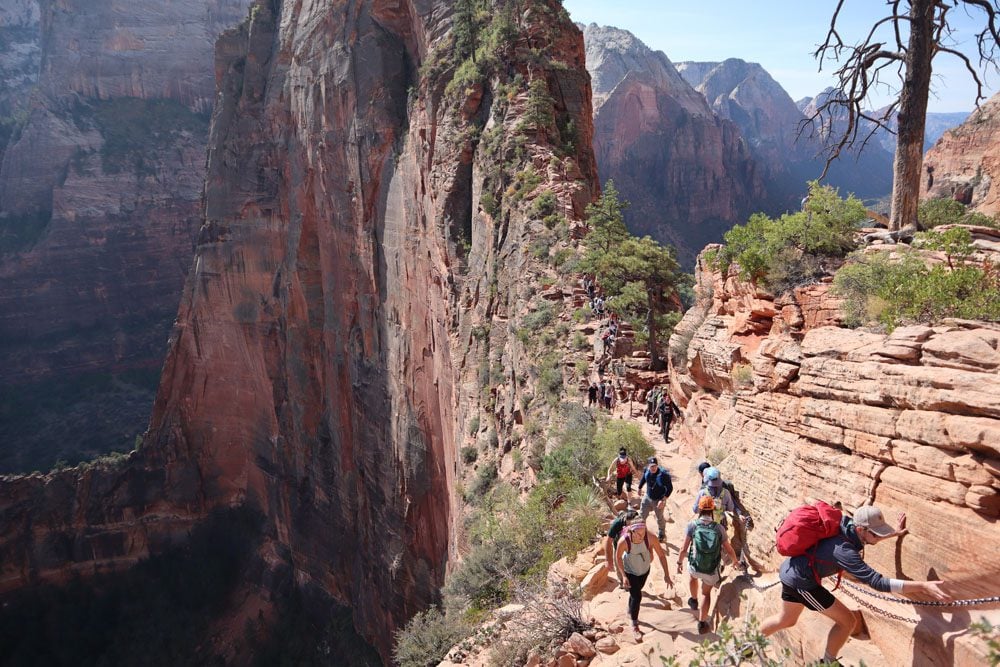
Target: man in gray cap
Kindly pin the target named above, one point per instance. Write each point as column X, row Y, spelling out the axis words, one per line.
column 801, row 577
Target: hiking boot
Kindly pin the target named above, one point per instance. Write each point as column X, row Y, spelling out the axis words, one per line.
column 693, row 604
column 662, row 536
column 702, row 627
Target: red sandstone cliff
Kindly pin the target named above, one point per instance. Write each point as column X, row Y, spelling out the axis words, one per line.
column 689, row 175
column 795, row 408
column 101, row 182
column 965, row 160
column 323, row 353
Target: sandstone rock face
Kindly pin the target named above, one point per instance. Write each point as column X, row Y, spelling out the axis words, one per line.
column 688, row 174
column 963, row 163
column 101, row 182
column 799, row 409
column 746, row 94
column 323, row 357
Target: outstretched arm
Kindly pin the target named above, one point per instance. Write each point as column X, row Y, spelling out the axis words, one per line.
column 680, row 554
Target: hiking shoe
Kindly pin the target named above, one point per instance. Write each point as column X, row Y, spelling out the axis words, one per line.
column 662, row 536
column 702, row 627
column 693, row 604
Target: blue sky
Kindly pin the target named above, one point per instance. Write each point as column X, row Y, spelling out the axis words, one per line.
column 779, row 34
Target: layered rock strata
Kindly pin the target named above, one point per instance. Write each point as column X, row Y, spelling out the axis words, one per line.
column 107, row 106
column 795, row 408
column 688, row 174
column 344, row 289
column 962, row 164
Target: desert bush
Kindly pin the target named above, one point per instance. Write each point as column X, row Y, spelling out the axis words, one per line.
column 876, row 289
column 934, row 212
column 474, row 425
column 542, row 317
column 989, row 634
column 742, row 375
column 427, row 638
column 549, row 617
column 469, row 454
column 784, row 252
column 481, row 484
column 736, row 645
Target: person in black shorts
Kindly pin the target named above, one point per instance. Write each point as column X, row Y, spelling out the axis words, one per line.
column 624, row 469
column 801, row 577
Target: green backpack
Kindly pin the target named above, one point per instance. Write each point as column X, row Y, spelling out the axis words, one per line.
column 705, row 553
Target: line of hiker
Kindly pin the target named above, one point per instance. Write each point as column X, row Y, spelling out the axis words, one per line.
column 704, row 544
column 602, row 394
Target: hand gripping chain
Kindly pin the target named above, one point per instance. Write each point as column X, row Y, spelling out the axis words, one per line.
column 972, row 602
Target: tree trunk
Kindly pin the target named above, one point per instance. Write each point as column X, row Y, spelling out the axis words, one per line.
column 909, row 161
column 654, row 357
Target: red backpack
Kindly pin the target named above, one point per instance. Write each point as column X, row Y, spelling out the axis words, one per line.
column 805, row 526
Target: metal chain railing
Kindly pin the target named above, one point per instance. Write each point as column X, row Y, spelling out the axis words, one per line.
column 971, row 602
column 878, row 610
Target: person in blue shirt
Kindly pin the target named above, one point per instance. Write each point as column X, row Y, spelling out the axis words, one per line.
column 659, row 486
column 801, row 577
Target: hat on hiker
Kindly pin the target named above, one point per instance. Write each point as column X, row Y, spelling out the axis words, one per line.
column 652, row 461
column 706, row 504
column 711, row 476
column 622, row 452
column 870, row 517
column 702, row 466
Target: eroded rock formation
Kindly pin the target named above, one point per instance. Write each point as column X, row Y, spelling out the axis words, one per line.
column 797, row 408
column 688, row 174
column 106, row 107
column 324, row 352
column 962, row 164
column 789, row 152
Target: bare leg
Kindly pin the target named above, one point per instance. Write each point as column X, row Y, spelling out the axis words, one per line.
column 843, row 619
column 706, row 600
column 694, row 588
column 786, row 617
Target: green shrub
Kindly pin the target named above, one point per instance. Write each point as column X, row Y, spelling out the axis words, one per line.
column 989, row 634
column 482, row 483
column 545, row 204
column 540, row 318
column 934, row 212
column 580, row 341
column 427, row 638
column 474, row 425
column 469, row 454
column 786, row 252
column 550, row 378
column 730, row 645
column 742, row 375
column 894, row 293
column 490, row 204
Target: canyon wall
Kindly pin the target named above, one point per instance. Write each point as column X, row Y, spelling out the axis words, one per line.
column 962, row 164
column 793, row 407
column 688, row 174
column 350, row 276
column 105, row 109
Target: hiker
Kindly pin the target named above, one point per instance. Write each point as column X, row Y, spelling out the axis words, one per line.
column 623, row 468
column 650, row 404
column 609, row 394
column 624, row 518
column 667, row 412
column 801, row 576
column 704, row 543
column 592, row 394
column 659, row 486
column 713, row 487
column 632, row 563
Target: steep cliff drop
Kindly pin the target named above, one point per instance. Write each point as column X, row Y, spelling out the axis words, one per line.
column 795, row 408
column 317, row 369
column 104, row 114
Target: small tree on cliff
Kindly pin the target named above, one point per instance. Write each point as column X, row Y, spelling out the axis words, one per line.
column 639, row 273
column 927, row 26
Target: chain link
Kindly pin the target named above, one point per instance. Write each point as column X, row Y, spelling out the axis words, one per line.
column 879, row 610
column 995, row 599
column 757, row 587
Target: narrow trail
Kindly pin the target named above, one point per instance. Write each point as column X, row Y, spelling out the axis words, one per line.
column 669, row 627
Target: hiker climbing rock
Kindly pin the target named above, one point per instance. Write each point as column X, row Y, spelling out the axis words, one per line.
column 592, row 394
column 821, row 542
column 632, row 563
column 659, row 486
column 624, row 518
column 623, row 468
column 704, row 543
